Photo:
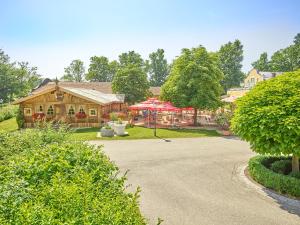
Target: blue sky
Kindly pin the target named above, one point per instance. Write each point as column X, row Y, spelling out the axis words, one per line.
column 50, row 34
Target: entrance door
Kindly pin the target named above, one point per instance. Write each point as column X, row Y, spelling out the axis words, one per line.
column 60, row 112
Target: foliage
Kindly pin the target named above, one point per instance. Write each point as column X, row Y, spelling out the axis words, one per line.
column 269, row 116
column 7, row 112
column 282, row 166
column 158, row 68
column 194, row 80
column 20, row 118
column 101, row 69
column 230, row 60
column 295, row 174
column 74, row 72
column 278, row 182
column 131, row 81
column 283, row 60
column 62, row 183
column 113, row 116
column 223, row 119
column 17, row 79
column 131, row 59
column 262, row 64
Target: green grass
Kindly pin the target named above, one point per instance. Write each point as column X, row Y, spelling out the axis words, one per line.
column 9, row 125
column 86, row 134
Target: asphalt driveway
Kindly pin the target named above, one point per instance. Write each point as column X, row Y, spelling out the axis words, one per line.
column 196, row 181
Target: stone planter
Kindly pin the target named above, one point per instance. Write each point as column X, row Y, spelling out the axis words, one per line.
column 107, row 132
column 119, row 129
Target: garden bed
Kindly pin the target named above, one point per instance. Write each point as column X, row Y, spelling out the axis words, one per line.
column 275, row 173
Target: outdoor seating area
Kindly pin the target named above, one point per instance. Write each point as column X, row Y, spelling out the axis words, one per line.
column 154, row 112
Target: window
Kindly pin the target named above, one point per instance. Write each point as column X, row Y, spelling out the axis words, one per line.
column 27, row 112
column 81, row 110
column 50, row 110
column 71, row 111
column 93, row 112
column 40, row 109
column 252, row 80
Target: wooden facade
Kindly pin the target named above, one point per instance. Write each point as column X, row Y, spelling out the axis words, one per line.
column 61, row 105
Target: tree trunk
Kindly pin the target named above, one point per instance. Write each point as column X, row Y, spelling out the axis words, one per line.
column 295, row 163
column 195, row 117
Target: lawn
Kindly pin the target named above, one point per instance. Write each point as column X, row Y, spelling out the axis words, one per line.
column 9, row 125
column 86, row 134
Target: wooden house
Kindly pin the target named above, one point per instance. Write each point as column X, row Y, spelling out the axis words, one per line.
column 79, row 104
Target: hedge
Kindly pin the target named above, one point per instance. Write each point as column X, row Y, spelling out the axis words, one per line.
column 46, row 180
column 7, row 112
column 281, row 183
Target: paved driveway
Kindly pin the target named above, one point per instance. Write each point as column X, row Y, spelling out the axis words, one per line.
column 196, row 181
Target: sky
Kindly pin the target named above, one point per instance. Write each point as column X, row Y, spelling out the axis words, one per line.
column 50, row 34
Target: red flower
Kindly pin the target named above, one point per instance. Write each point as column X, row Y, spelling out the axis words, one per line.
column 80, row 115
column 38, row 116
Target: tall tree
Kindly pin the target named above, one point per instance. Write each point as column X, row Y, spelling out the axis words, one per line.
column 194, row 81
column 101, row 69
column 75, row 71
column 262, row 64
column 16, row 79
column 131, row 81
column 231, row 57
column 131, row 58
column 158, row 68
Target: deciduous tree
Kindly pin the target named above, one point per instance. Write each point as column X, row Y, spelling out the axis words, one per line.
column 158, row 68
column 268, row 117
column 75, row 71
column 194, row 81
column 230, row 59
column 131, row 80
column 262, row 64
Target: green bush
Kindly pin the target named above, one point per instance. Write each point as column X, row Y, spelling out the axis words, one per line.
column 282, row 166
column 7, row 112
column 49, row 181
column 295, row 174
column 268, row 116
column 278, row 182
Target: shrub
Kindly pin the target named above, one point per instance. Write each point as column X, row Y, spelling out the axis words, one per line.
column 7, row 112
column 50, row 181
column 268, row 116
column 113, row 116
column 295, row 174
column 20, row 118
column 278, row 182
column 282, row 166
column 223, row 119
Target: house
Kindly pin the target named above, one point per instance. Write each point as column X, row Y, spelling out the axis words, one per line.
column 254, row 76
column 79, row 104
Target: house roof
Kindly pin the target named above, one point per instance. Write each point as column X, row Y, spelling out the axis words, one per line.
column 88, row 94
column 267, row 75
column 104, row 87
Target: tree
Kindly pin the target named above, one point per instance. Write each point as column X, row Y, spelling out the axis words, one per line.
column 131, row 58
column 101, row 69
column 75, row 71
column 194, row 81
column 230, row 58
column 158, row 68
column 131, row 81
column 283, row 60
column 16, row 79
column 268, row 117
column 262, row 64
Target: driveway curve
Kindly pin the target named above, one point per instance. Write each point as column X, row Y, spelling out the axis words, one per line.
column 196, row 181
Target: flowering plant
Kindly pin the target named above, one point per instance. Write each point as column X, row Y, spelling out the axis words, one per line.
column 80, row 115
column 38, row 116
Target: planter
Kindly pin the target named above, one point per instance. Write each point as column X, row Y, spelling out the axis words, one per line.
column 107, row 132
column 119, row 129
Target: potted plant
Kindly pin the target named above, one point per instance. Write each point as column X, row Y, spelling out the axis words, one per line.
column 107, row 131
column 223, row 120
column 119, row 127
